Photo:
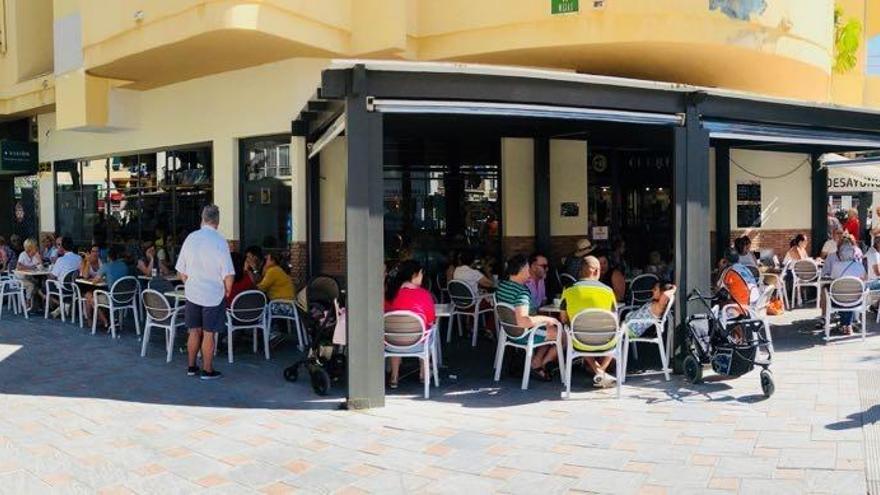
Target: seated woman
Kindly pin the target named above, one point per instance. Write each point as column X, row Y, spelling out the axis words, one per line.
column 242, row 281
column 405, row 293
column 797, row 250
column 91, row 263
column 278, row 286
column 612, row 276
column 637, row 322
column 109, row 273
column 28, row 261
column 743, row 247
column 847, row 266
column 149, row 263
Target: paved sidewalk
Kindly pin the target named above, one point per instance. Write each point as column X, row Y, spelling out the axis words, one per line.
column 83, row 413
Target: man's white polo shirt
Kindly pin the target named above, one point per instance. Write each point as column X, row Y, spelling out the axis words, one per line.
column 205, row 260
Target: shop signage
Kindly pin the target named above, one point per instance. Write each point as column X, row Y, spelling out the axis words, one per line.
column 558, row 7
column 18, row 157
column 600, row 233
column 854, row 179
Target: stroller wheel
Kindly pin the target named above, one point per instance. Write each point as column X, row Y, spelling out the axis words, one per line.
column 291, row 373
column 767, row 384
column 693, row 370
column 320, row 381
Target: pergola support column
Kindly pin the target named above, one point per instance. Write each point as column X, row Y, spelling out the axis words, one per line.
column 364, row 249
column 692, row 256
column 542, row 195
column 722, row 198
column 819, row 213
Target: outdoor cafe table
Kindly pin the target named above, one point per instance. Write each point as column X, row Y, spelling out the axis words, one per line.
column 32, row 273
column 91, row 283
column 442, row 311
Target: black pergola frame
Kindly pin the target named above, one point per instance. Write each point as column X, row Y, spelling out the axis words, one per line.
column 356, row 86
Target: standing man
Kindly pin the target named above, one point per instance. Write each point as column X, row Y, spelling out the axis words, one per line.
column 538, row 265
column 205, row 266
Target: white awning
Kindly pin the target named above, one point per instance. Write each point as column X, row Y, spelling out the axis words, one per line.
column 447, row 107
column 748, row 131
column 852, row 176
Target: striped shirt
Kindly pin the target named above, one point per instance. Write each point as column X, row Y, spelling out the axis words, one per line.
column 514, row 294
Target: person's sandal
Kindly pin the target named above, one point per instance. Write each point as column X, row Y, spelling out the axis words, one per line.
column 540, row 374
column 392, row 385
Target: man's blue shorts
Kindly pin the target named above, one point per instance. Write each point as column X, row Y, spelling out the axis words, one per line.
column 209, row 319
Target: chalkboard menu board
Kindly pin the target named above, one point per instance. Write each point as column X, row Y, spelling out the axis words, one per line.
column 748, row 191
column 748, row 204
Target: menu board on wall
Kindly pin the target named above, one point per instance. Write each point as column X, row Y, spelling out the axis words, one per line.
column 748, row 204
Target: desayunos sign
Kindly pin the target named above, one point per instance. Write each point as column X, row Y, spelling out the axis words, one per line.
column 18, row 157
column 854, row 179
column 564, row 7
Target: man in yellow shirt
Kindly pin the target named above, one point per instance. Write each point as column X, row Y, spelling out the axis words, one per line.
column 589, row 293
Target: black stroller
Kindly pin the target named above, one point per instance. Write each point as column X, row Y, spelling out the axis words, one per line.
column 325, row 361
column 731, row 349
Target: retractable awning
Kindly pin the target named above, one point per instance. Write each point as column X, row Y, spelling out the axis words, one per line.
column 853, row 176
column 747, row 131
column 451, row 107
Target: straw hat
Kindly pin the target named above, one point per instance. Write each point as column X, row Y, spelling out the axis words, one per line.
column 584, row 247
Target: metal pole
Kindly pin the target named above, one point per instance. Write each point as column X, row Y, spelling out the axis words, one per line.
column 692, row 259
column 542, row 194
column 364, row 211
column 722, row 198
column 819, row 213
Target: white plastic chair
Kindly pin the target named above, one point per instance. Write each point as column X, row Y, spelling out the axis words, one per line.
column 806, row 274
column 512, row 335
column 759, row 311
column 65, row 290
column 121, row 298
column 301, row 338
column 847, row 294
column 160, row 314
column 466, row 303
column 406, row 336
column 12, row 294
column 597, row 332
column 660, row 326
column 247, row 312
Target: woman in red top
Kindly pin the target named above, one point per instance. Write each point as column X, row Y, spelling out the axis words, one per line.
column 242, row 281
column 853, row 225
column 405, row 293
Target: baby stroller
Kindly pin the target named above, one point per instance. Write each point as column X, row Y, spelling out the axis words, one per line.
column 731, row 348
column 319, row 305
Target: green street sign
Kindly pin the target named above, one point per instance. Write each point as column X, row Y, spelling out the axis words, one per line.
column 18, row 157
column 564, row 7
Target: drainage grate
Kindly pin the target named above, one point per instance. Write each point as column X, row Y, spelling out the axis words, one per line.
column 869, row 393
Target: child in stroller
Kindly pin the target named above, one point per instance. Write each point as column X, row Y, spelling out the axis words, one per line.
column 319, row 305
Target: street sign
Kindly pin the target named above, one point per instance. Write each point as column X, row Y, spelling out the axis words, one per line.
column 558, row 7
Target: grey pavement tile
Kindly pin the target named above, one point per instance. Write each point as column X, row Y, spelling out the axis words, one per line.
column 837, row 482
column 392, row 482
column 685, row 476
column 808, row 458
column 772, row 487
column 460, row 484
column 599, row 458
column 321, row 479
column 193, row 466
column 611, row 482
column 19, row 482
column 526, row 483
column 165, row 483
column 745, row 467
column 473, row 464
column 256, row 474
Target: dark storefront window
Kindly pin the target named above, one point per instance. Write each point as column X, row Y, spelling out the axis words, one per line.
column 266, row 190
column 441, row 198
column 133, row 198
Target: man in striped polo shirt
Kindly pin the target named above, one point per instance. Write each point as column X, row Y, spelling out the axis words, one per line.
column 513, row 291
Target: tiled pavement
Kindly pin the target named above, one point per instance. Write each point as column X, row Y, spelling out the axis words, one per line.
column 82, row 413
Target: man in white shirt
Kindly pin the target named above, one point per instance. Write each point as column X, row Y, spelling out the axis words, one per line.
column 67, row 259
column 205, row 266
column 830, row 245
column 469, row 275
